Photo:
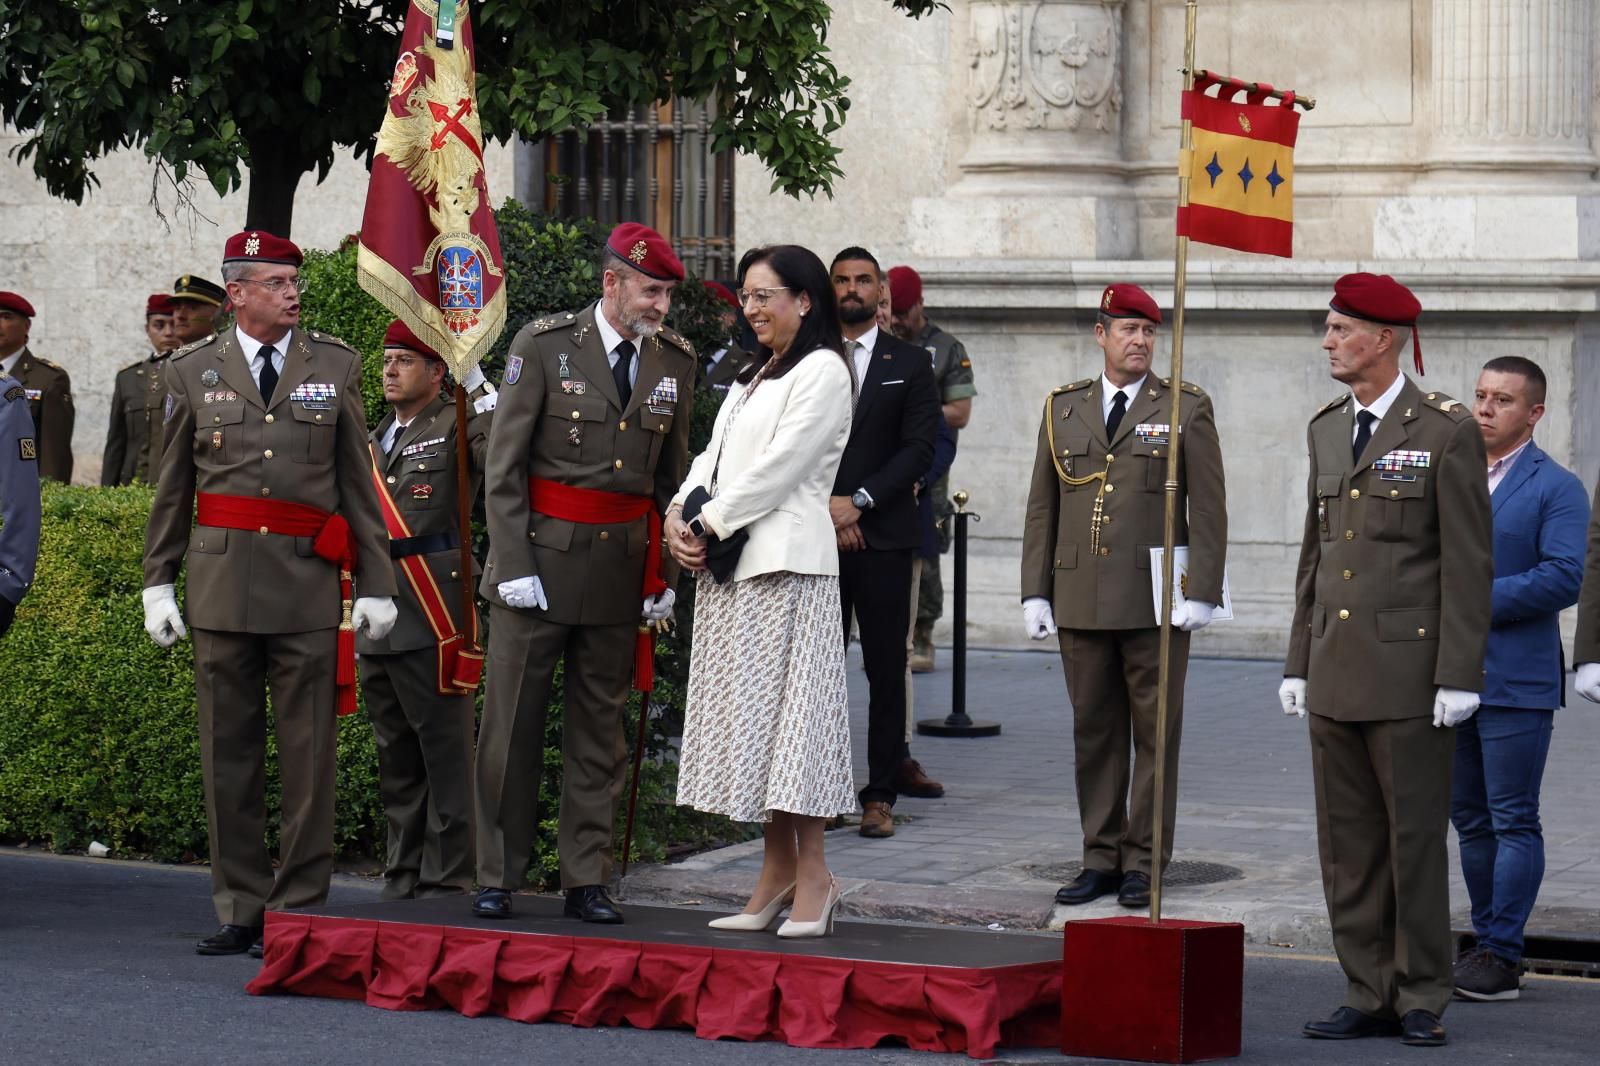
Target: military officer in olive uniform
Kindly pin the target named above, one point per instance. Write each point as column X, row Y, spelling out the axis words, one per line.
column 590, row 435
column 266, row 492
column 1096, row 506
column 196, row 308
column 419, row 698
column 133, row 439
column 952, row 370
column 1392, row 608
column 724, row 364
column 46, row 386
column 19, row 499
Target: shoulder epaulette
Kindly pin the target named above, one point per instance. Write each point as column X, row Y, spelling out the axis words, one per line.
column 1074, row 387
column 193, row 346
column 46, row 362
column 677, row 340
column 1332, row 405
column 1448, row 405
column 328, row 338
column 546, row 323
column 1188, row 386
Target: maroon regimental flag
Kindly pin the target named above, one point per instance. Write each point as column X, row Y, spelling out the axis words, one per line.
column 429, row 250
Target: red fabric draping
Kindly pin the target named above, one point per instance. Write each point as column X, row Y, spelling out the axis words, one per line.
column 804, row 1001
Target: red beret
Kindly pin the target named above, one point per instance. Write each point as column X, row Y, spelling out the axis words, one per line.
column 1379, row 298
column 1122, row 300
column 905, row 289
column 646, row 250
column 723, row 293
column 399, row 335
column 259, row 246
column 158, row 304
column 10, row 301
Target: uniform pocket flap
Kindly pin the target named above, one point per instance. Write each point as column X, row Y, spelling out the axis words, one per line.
column 208, row 540
column 552, row 533
column 1414, row 489
column 1073, row 445
column 578, row 408
column 317, row 416
column 1415, row 623
column 1066, row 556
column 1328, row 484
column 230, row 414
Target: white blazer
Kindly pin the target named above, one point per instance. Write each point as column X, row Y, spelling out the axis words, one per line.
column 778, row 467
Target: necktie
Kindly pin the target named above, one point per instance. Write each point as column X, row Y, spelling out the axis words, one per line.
column 395, row 429
column 1119, row 407
column 269, row 374
column 1363, row 434
column 619, row 373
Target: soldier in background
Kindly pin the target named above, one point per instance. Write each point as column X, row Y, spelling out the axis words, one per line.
column 19, row 499
column 133, row 439
column 724, row 364
column 196, row 308
column 591, row 436
column 952, row 371
column 47, row 387
column 1392, row 615
column 419, row 687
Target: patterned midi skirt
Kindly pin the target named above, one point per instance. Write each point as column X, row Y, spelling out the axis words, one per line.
column 768, row 721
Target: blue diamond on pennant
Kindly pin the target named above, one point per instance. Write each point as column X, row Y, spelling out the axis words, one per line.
column 1275, row 179
column 1214, row 169
column 1245, row 175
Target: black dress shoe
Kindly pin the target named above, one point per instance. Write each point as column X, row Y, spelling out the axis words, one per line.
column 1088, row 886
column 1348, row 1023
column 229, row 940
column 259, row 948
column 492, row 903
column 591, row 904
column 1421, row 1028
column 1135, row 890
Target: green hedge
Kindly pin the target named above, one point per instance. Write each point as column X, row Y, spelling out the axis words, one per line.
column 98, row 738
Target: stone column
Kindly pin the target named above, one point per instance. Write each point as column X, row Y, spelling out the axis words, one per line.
column 1512, row 87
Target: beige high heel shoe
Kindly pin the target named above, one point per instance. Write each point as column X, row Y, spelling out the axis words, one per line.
column 761, row 919
column 823, row 926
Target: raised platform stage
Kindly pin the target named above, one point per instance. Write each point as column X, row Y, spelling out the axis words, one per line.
column 931, row 989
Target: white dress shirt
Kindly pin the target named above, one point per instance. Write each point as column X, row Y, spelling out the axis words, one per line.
column 1378, row 407
column 611, row 338
column 1108, row 394
column 395, row 429
column 9, row 363
column 1502, row 466
column 252, row 352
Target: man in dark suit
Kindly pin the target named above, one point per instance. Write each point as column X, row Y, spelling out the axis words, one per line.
column 1540, row 514
column 875, row 514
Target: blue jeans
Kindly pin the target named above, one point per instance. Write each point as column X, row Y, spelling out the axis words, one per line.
column 1494, row 805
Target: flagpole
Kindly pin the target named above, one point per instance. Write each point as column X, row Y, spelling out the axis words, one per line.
column 1169, row 520
column 464, row 497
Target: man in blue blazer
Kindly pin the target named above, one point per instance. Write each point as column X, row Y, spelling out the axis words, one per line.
column 1541, row 514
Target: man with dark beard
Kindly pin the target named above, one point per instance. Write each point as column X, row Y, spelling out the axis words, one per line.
column 875, row 514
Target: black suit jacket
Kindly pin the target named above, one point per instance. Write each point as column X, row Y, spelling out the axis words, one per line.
column 891, row 441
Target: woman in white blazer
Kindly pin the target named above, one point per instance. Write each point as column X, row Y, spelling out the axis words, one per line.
column 767, row 733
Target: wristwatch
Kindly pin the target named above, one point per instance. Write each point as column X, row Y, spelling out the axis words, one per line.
column 697, row 526
column 861, row 499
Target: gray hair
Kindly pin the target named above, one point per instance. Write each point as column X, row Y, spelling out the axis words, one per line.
column 236, row 271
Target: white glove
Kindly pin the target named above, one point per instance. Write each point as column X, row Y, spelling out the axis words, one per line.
column 473, row 379
column 1037, row 618
column 375, row 614
column 659, row 607
column 524, row 592
column 1192, row 615
column 161, row 618
column 1588, row 681
column 1292, row 694
column 1451, row 706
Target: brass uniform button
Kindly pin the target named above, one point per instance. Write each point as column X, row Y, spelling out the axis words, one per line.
column 1343, row 615
column 1111, row 458
column 1348, row 575
column 454, row 576
column 574, row 414
column 1349, row 534
column 265, row 491
column 1422, row 632
column 1058, row 561
column 263, row 531
column 530, row 534
column 391, row 479
column 269, row 419
column 617, row 464
column 605, row 535
column 1111, row 488
column 422, row 466
column 1355, row 494
column 623, row 424
column 267, row 454
column 1155, row 452
column 1394, row 492
column 1105, row 551
column 319, row 418
column 215, row 419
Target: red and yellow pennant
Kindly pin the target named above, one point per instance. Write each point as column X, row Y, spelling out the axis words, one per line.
column 1241, row 166
column 429, row 249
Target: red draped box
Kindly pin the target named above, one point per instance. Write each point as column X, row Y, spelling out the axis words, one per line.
column 1171, row 991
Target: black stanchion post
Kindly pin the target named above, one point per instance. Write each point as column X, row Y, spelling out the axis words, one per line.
column 957, row 723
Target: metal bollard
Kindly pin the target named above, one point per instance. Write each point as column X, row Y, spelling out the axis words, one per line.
column 957, row 723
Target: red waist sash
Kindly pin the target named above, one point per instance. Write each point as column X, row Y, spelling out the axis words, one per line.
column 333, row 542
column 593, row 507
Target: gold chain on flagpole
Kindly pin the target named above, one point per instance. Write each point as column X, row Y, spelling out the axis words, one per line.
column 1169, row 521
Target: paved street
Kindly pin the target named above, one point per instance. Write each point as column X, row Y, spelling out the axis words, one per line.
column 1244, row 801
column 97, row 966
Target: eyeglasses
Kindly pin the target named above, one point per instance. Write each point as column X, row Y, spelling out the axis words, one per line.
column 404, row 362
column 759, row 296
column 279, row 285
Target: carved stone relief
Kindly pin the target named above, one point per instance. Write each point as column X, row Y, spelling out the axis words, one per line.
column 1052, row 65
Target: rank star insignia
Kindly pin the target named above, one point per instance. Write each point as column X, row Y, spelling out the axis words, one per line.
column 638, row 251
column 252, row 244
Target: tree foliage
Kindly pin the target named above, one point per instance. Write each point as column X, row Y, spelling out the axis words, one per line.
column 276, row 87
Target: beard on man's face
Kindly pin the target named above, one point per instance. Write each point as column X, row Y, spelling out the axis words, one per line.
column 854, row 311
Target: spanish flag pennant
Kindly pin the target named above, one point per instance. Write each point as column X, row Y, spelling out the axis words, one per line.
column 1240, row 166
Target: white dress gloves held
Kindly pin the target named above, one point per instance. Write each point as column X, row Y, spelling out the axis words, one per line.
column 1037, row 618
column 1451, row 707
column 1588, row 681
column 375, row 614
column 1192, row 615
column 1292, row 695
column 162, row 619
column 658, row 608
column 524, row 592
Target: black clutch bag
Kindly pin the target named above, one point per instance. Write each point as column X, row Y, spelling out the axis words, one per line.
column 722, row 554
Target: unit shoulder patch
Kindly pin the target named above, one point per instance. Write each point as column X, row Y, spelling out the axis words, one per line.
column 26, row 449
column 15, row 393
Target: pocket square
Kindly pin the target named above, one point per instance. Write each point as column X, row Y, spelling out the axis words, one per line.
column 896, row 381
